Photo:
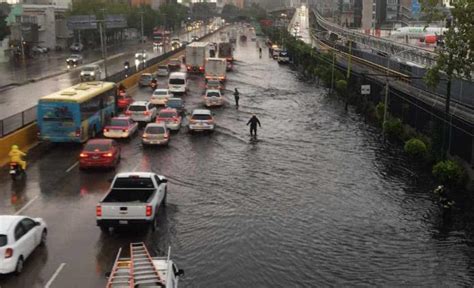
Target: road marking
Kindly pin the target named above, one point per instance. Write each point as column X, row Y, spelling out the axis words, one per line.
column 136, row 167
column 72, row 167
column 26, row 205
column 55, row 275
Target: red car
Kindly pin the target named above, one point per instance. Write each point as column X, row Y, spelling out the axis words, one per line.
column 123, row 100
column 99, row 153
column 170, row 117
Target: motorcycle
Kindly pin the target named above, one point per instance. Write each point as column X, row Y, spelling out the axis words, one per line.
column 154, row 85
column 16, row 170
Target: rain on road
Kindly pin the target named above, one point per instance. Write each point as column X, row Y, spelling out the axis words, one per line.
column 319, row 200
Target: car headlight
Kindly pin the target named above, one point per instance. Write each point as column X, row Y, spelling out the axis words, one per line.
column 92, row 73
column 82, row 73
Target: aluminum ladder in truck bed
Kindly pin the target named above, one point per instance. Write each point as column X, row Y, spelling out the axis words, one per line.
column 136, row 271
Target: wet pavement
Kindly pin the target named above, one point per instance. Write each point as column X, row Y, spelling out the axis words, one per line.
column 319, row 200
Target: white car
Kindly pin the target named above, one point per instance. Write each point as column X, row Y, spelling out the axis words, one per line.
column 201, row 120
column 162, row 71
column 141, row 111
column 76, row 47
column 19, row 236
column 213, row 98
column 160, row 97
column 156, row 134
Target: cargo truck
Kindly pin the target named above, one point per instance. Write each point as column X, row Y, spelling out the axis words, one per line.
column 196, row 54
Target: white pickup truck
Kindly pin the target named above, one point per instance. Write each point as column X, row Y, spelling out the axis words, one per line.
column 133, row 199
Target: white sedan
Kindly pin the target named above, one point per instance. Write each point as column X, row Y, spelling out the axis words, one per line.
column 160, row 96
column 19, row 236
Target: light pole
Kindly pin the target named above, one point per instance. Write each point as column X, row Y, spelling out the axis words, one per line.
column 385, row 107
column 103, row 42
column 141, row 26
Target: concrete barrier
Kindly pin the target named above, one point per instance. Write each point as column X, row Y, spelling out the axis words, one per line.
column 26, row 138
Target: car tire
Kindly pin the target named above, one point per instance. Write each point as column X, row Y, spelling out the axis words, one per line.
column 19, row 265
column 154, row 223
column 104, row 229
column 44, row 235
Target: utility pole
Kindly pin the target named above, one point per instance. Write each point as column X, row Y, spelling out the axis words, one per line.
column 141, row 24
column 103, row 42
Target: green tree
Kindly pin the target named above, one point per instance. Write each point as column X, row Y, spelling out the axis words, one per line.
column 4, row 11
column 455, row 58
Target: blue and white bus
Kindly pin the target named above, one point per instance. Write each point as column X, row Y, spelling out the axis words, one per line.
column 77, row 113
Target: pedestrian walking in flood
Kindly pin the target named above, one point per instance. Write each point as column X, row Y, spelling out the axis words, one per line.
column 236, row 97
column 253, row 125
column 260, row 51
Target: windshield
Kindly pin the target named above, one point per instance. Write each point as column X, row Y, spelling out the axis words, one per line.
column 201, row 117
column 174, row 103
column 163, row 68
column 119, row 122
column 175, row 81
column 145, row 77
column 166, row 115
column 137, row 108
column 133, row 183
column 160, row 92
column 88, row 69
column 97, row 147
column 74, row 56
column 3, row 240
column 213, row 94
column 213, row 83
column 155, row 130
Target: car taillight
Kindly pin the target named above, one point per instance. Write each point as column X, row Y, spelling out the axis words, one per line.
column 106, row 130
column 145, row 135
column 175, row 119
column 201, row 68
column 78, row 132
column 149, row 210
column 128, row 113
column 98, row 211
column 146, row 113
column 188, row 67
column 166, row 136
column 124, row 130
column 192, row 121
column 83, row 155
column 8, row 253
column 108, row 155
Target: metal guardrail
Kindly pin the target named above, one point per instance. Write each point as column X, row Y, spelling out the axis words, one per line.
column 411, row 53
column 28, row 116
column 17, row 121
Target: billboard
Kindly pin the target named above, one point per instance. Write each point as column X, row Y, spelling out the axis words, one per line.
column 82, row 22
column 115, row 21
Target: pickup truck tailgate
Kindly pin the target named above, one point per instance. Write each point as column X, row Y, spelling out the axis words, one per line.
column 123, row 211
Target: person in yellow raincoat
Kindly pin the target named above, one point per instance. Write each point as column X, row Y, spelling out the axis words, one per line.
column 15, row 156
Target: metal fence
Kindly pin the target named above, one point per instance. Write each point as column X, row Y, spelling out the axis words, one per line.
column 17, row 121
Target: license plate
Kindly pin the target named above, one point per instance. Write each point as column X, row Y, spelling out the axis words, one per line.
column 95, row 157
column 123, row 222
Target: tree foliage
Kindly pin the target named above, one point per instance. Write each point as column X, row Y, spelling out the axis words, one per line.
column 456, row 57
column 4, row 11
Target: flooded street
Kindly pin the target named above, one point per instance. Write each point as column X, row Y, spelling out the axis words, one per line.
column 319, row 200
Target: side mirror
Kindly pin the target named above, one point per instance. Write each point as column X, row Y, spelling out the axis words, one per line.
column 37, row 223
column 164, row 180
column 179, row 273
column 107, row 274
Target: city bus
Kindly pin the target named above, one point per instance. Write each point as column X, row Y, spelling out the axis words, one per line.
column 77, row 113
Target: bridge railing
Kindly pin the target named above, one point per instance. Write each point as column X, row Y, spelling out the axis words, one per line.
column 411, row 53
